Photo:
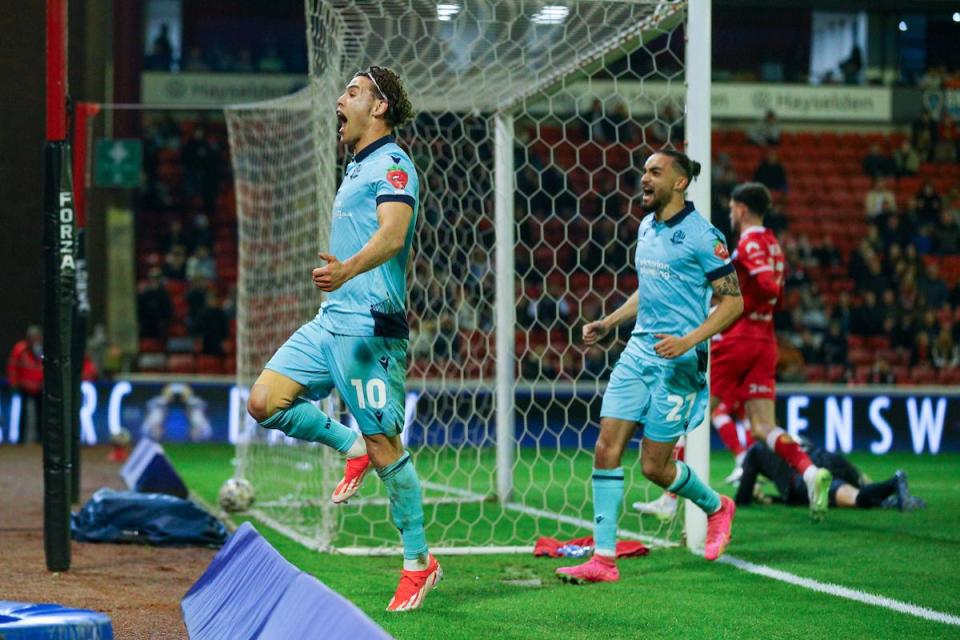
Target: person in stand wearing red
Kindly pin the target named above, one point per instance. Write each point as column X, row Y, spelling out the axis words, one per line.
column 25, row 376
column 744, row 357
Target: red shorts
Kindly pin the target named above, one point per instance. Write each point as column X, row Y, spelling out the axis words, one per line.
column 742, row 370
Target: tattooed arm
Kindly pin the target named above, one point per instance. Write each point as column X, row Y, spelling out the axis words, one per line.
column 727, row 290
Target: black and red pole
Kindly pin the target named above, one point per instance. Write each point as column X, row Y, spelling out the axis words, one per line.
column 59, row 250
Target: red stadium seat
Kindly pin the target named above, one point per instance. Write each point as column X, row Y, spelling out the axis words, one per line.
column 181, row 363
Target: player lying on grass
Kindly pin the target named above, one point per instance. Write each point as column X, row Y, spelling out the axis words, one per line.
column 849, row 488
column 358, row 341
column 660, row 380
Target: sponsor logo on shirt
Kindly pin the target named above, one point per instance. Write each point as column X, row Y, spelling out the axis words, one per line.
column 355, row 172
column 678, row 237
column 653, row 268
column 397, row 176
column 720, row 249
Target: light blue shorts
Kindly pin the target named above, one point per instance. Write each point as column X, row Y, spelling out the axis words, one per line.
column 369, row 373
column 669, row 398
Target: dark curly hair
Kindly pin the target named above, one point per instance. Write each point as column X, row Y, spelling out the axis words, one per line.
column 388, row 85
column 753, row 194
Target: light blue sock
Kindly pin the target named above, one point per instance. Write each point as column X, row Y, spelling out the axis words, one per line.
column 607, row 496
column 304, row 421
column 690, row 486
column 406, row 506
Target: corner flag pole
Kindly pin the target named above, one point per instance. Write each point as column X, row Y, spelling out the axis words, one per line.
column 697, row 69
column 59, row 234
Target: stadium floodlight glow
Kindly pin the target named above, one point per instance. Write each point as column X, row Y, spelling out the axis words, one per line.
column 956, row 16
column 445, row 12
column 902, row 26
column 551, row 14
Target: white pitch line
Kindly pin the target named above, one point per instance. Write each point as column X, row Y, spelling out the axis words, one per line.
column 841, row 592
column 541, row 513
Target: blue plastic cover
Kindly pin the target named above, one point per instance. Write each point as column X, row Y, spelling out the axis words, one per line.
column 250, row 591
column 28, row 621
column 154, row 518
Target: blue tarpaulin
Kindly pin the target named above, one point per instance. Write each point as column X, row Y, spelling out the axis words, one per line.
column 147, row 518
column 250, row 591
column 31, row 621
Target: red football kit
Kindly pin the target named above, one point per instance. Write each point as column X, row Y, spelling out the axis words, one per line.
column 743, row 359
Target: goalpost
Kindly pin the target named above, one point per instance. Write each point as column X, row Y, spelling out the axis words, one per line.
column 527, row 224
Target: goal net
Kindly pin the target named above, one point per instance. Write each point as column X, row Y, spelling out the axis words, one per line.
column 533, row 119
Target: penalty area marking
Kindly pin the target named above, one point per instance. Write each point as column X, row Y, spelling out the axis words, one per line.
column 841, row 592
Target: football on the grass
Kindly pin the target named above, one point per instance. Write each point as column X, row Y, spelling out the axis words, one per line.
column 236, row 494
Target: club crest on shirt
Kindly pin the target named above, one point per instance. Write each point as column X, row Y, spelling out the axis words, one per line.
column 355, row 172
column 397, row 176
column 678, row 237
column 720, row 249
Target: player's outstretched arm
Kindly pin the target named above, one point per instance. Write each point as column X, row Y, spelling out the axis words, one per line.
column 394, row 219
column 727, row 289
column 595, row 331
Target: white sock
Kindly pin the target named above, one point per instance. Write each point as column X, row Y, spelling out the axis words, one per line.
column 606, row 553
column 773, row 436
column 738, row 459
column 417, row 564
column 809, row 475
column 358, row 448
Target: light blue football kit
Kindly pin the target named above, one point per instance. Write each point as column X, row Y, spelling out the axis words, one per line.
column 676, row 261
column 358, row 340
column 357, row 343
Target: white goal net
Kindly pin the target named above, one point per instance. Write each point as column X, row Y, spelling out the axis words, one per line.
column 533, row 119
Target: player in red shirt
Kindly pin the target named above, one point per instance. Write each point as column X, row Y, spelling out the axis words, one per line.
column 743, row 359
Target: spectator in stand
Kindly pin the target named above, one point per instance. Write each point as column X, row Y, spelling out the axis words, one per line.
column 924, row 132
column 946, row 237
column 25, row 377
column 867, row 317
column 906, row 160
column 175, row 263
column 771, row 172
column 835, row 344
column 161, row 51
column 201, row 165
column 776, row 219
column 174, row 237
column 904, row 333
column 154, row 309
column 201, row 265
column 880, row 373
column 920, row 355
column 200, row 234
column 212, row 327
column 945, row 148
column 879, row 199
column 932, row 289
column 945, row 353
column 767, row 131
column 826, row 253
column 195, row 61
column 929, row 325
column 196, row 298
column 929, row 204
column 895, row 232
column 877, row 164
column 809, row 345
column 533, row 359
column 447, row 344
column 843, row 313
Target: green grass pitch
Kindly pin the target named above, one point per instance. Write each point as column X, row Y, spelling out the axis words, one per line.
column 910, row 557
